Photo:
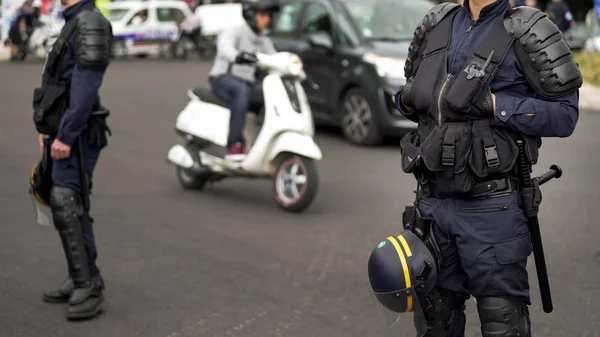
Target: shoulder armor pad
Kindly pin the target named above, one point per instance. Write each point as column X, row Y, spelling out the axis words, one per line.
column 545, row 56
column 93, row 41
column 431, row 19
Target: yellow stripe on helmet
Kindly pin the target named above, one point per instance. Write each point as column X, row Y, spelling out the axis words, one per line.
column 405, row 245
column 404, row 268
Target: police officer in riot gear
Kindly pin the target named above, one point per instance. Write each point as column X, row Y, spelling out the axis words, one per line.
column 233, row 75
column 479, row 78
column 72, row 127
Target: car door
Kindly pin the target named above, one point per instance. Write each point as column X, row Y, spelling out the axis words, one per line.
column 167, row 18
column 320, row 64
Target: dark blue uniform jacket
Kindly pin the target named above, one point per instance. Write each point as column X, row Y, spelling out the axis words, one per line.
column 84, row 85
column 518, row 106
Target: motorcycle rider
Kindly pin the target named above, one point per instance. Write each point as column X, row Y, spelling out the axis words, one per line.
column 479, row 78
column 233, row 77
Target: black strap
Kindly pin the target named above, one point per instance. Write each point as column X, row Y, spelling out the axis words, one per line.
column 498, row 41
column 449, row 145
column 65, row 35
column 483, row 128
column 440, row 37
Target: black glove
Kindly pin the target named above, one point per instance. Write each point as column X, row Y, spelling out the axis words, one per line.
column 246, row 58
column 406, row 97
column 484, row 108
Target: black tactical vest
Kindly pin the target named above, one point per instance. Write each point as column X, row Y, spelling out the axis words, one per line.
column 449, row 148
column 51, row 100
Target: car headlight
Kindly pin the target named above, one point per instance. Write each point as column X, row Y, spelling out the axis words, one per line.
column 295, row 65
column 389, row 67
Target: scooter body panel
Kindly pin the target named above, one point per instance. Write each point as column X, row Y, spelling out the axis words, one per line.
column 205, row 120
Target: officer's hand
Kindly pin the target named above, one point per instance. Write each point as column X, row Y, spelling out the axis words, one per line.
column 485, row 108
column 41, row 139
column 246, row 58
column 60, row 150
column 406, row 97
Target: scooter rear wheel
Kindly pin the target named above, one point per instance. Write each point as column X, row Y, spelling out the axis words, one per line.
column 189, row 180
column 296, row 182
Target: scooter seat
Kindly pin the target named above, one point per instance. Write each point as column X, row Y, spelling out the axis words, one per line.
column 207, row 96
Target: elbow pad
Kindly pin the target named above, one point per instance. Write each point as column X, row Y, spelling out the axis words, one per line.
column 543, row 53
column 93, row 41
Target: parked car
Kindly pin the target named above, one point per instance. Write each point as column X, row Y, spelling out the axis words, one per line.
column 354, row 53
column 144, row 27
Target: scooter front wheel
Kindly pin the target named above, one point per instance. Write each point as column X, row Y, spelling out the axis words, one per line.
column 296, row 182
column 189, row 180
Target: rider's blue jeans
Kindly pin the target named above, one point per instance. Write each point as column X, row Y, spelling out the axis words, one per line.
column 240, row 96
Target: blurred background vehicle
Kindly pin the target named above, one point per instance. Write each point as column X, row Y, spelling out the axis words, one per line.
column 354, row 53
column 144, row 28
column 577, row 36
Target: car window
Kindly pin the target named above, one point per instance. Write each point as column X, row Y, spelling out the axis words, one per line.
column 348, row 35
column 116, row 14
column 165, row 14
column 139, row 18
column 316, row 19
column 285, row 24
column 388, row 20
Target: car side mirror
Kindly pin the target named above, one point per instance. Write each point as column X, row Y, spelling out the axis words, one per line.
column 321, row 39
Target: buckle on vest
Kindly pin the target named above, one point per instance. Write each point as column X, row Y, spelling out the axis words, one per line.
column 448, row 155
column 491, row 156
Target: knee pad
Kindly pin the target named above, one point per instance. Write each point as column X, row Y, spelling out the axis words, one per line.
column 503, row 317
column 444, row 310
column 66, row 207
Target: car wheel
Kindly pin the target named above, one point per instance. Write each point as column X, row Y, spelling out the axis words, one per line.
column 358, row 122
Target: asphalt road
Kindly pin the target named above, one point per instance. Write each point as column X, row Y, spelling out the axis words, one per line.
column 226, row 261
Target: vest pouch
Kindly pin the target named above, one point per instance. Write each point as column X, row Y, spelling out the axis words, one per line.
column 494, row 150
column 409, row 148
column 421, row 93
column 462, row 92
column 445, row 152
column 49, row 104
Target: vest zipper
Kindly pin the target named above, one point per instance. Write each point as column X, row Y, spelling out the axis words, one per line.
column 439, row 102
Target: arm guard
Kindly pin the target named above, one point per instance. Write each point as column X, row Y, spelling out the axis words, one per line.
column 431, row 19
column 543, row 53
column 93, row 41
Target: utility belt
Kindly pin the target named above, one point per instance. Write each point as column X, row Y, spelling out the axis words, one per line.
column 484, row 189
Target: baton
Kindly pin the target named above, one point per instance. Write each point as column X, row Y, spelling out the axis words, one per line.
column 85, row 188
column 534, row 225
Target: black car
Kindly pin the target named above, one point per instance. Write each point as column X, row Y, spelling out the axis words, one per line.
column 353, row 53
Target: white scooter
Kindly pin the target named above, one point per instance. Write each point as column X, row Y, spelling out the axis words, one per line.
column 282, row 148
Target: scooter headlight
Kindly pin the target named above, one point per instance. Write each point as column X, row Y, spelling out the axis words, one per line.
column 295, row 66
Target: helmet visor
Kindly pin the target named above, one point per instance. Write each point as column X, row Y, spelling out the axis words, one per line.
column 401, row 313
column 41, row 210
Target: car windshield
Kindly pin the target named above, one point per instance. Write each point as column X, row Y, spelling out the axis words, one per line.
column 116, row 14
column 388, row 20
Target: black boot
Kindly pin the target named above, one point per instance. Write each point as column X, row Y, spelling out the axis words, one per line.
column 67, row 211
column 85, row 302
column 60, row 294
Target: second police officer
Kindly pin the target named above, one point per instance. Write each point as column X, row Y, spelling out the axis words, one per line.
column 72, row 127
column 479, row 77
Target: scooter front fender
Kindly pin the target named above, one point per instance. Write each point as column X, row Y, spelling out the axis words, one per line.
column 296, row 143
column 180, row 156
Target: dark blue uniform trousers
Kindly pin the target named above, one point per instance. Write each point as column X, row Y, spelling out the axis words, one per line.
column 65, row 172
column 484, row 245
column 240, row 96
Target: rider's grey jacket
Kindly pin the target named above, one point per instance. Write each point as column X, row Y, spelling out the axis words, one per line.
column 231, row 42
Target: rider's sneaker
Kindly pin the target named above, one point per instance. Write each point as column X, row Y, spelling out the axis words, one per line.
column 236, row 152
